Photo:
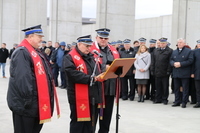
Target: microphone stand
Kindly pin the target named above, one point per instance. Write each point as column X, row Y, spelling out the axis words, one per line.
column 93, row 99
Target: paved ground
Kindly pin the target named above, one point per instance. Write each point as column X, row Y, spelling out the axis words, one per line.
column 135, row 117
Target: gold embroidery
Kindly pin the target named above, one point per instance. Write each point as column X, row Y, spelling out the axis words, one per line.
column 45, row 107
column 83, row 107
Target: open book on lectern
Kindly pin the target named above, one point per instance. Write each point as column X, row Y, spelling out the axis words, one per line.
column 122, row 64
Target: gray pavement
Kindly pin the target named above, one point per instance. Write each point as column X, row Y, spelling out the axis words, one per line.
column 135, row 117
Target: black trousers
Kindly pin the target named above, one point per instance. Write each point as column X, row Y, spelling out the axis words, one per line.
column 197, row 85
column 55, row 70
column 181, row 97
column 150, row 93
column 192, row 90
column 82, row 126
column 162, row 89
column 23, row 124
column 104, row 124
column 126, row 85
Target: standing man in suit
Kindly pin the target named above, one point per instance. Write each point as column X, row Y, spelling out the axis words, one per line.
column 161, row 69
column 128, row 52
column 181, row 61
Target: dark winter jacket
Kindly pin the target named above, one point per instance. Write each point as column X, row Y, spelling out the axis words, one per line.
column 4, row 54
column 75, row 76
column 128, row 54
column 196, row 64
column 185, row 57
column 160, row 62
column 22, row 96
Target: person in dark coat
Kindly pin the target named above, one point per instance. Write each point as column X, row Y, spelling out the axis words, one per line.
column 30, row 94
column 4, row 54
column 79, row 65
column 12, row 50
column 54, row 65
column 161, row 69
column 127, row 80
column 43, row 46
column 109, row 54
column 181, row 61
column 136, row 45
column 150, row 92
column 196, row 73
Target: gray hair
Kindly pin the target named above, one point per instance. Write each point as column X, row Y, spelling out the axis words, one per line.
column 181, row 39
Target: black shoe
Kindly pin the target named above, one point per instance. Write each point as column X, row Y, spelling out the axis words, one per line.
column 165, row 102
column 192, row 102
column 63, row 87
column 176, row 104
column 60, row 86
column 124, row 98
column 196, row 106
column 142, row 99
column 139, row 98
column 156, row 102
column 183, row 105
column 131, row 98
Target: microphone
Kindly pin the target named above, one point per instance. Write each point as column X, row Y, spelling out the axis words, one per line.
column 97, row 53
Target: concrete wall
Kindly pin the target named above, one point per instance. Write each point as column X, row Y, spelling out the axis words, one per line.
column 17, row 15
column 186, row 18
column 153, row 28
column 118, row 16
column 89, row 29
column 65, row 20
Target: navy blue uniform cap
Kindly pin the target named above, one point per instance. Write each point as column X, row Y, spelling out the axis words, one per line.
column 34, row 30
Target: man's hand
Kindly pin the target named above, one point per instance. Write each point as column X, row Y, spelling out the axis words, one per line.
column 177, row 64
column 51, row 62
column 99, row 77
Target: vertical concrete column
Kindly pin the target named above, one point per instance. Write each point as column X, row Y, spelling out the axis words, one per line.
column 65, row 20
column 9, row 22
column 35, row 13
column 117, row 15
column 1, row 20
column 185, row 21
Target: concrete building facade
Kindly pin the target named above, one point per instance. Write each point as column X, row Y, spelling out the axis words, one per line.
column 64, row 22
column 185, row 21
column 117, row 15
column 153, row 28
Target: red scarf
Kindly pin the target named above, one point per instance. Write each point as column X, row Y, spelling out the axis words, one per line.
column 81, row 90
column 95, row 46
column 42, row 84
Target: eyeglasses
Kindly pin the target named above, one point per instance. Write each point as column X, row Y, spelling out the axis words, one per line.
column 103, row 38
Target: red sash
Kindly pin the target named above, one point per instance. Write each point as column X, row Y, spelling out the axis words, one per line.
column 42, row 84
column 115, row 54
column 113, row 50
column 81, row 90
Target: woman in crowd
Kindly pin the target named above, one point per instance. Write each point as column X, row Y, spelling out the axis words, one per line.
column 142, row 64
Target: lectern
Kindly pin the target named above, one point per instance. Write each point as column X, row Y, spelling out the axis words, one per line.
column 117, row 69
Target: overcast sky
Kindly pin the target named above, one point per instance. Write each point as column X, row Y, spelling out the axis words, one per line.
column 144, row 8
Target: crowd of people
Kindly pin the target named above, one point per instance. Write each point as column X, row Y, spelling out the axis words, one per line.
column 36, row 64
